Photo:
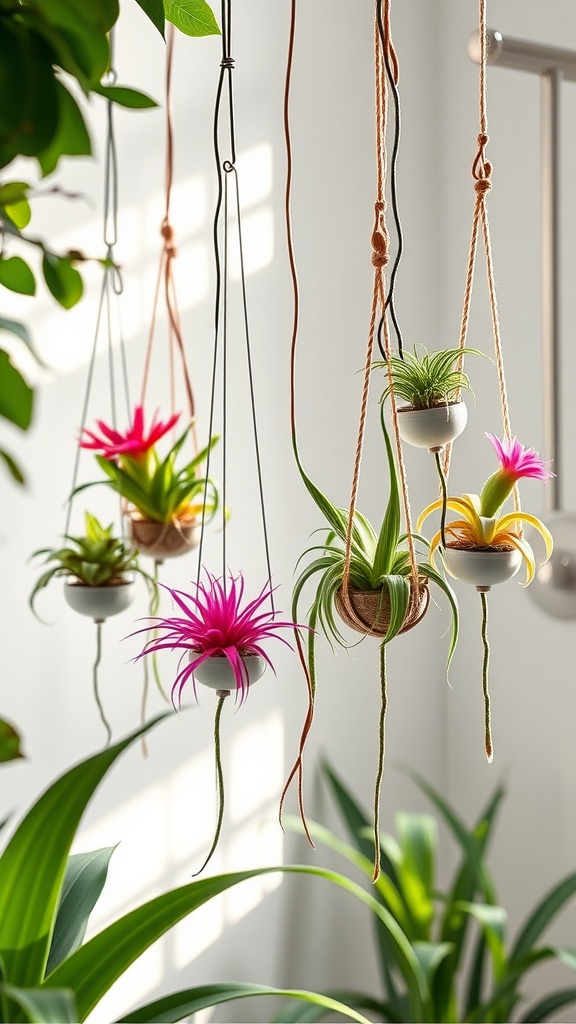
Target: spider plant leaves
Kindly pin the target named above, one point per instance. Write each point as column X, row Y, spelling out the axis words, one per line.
column 390, row 530
column 427, row 379
column 175, row 1007
column 297, row 1013
column 33, row 864
column 93, row 968
column 492, row 919
column 542, row 915
column 83, row 883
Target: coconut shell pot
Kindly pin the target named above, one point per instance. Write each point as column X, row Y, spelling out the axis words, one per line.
column 432, row 428
column 216, row 672
column 102, row 601
column 371, row 609
column 163, row 540
column 482, row 567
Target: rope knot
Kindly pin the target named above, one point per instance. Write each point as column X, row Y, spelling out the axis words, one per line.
column 167, row 232
column 380, row 240
column 482, row 185
column 482, row 168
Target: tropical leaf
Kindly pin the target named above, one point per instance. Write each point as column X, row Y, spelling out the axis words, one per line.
column 192, row 17
column 16, row 396
column 83, row 883
column 154, row 9
column 42, row 1006
column 62, row 279
column 550, row 1004
column 125, row 97
column 541, row 917
column 32, row 865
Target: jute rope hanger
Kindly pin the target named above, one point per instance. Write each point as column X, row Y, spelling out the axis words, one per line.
column 482, row 175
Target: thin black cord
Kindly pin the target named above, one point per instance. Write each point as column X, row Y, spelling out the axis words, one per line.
column 390, row 301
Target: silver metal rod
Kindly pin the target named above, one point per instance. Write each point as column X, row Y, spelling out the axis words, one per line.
column 551, row 82
column 524, row 55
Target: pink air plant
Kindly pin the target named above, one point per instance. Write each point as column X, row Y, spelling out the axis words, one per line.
column 214, row 624
column 134, row 443
column 516, row 462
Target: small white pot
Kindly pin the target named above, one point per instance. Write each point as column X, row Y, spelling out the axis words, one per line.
column 432, row 428
column 217, row 672
column 482, row 568
column 99, row 602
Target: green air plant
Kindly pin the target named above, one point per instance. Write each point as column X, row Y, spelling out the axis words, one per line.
column 429, row 379
column 48, row 972
column 383, row 598
column 97, row 559
column 443, row 954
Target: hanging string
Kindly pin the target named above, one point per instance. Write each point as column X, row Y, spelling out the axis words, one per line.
column 112, row 285
column 165, row 276
column 380, row 257
column 227, row 178
column 482, row 176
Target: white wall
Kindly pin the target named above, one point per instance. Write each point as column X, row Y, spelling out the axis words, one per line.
column 160, row 808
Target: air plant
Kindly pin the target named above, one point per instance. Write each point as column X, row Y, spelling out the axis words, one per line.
column 427, row 380
column 156, row 487
column 216, row 629
column 495, row 539
column 380, row 567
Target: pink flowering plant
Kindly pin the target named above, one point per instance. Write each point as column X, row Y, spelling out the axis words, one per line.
column 216, row 623
column 480, row 524
column 159, row 488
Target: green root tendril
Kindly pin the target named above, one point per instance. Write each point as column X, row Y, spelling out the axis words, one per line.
column 221, row 694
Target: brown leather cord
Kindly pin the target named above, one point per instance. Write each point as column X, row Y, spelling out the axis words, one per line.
column 482, row 177
column 165, row 277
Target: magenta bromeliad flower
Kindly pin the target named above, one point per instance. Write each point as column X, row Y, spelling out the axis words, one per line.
column 214, row 624
column 134, row 443
column 516, row 462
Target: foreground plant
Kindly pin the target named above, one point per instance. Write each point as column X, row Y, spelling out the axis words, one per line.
column 221, row 640
column 444, row 954
column 382, row 599
column 166, row 500
column 484, row 546
column 49, row 972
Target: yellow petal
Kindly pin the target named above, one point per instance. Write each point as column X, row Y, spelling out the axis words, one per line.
column 524, row 517
column 527, row 554
column 461, row 505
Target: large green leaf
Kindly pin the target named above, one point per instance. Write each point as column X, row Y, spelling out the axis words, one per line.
column 155, row 11
column 306, row 1013
column 492, row 920
column 33, row 864
column 181, row 1004
column 84, row 29
column 43, row 1006
column 63, row 279
column 417, row 835
column 16, row 397
column 192, row 17
column 93, row 968
column 83, row 883
column 16, row 275
column 71, row 137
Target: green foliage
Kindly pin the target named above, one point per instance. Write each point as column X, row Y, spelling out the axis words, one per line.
column 10, row 749
column 472, row 973
column 47, row 972
column 192, row 17
column 377, row 562
column 95, row 559
column 427, row 379
column 159, row 489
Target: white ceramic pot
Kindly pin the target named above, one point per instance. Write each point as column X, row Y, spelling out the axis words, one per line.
column 217, row 672
column 482, row 568
column 99, row 602
column 432, row 428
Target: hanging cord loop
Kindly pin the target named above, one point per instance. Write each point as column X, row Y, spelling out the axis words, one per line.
column 482, row 177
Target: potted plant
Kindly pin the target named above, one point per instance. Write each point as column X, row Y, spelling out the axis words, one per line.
column 166, row 502
column 430, row 385
column 383, row 598
column 443, row 952
column 221, row 638
column 485, row 547
column 98, row 569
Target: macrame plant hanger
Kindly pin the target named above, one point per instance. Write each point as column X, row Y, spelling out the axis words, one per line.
column 482, row 176
column 108, row 311
column 386, row 76
column 227, row 202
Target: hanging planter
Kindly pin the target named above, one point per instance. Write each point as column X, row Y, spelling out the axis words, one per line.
column 221, row 638
column 166, row 502
column 99, row 602
column 163, row 540
column 430, row 385
column 483, row 547
column 369, row 611
column 98, row 569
